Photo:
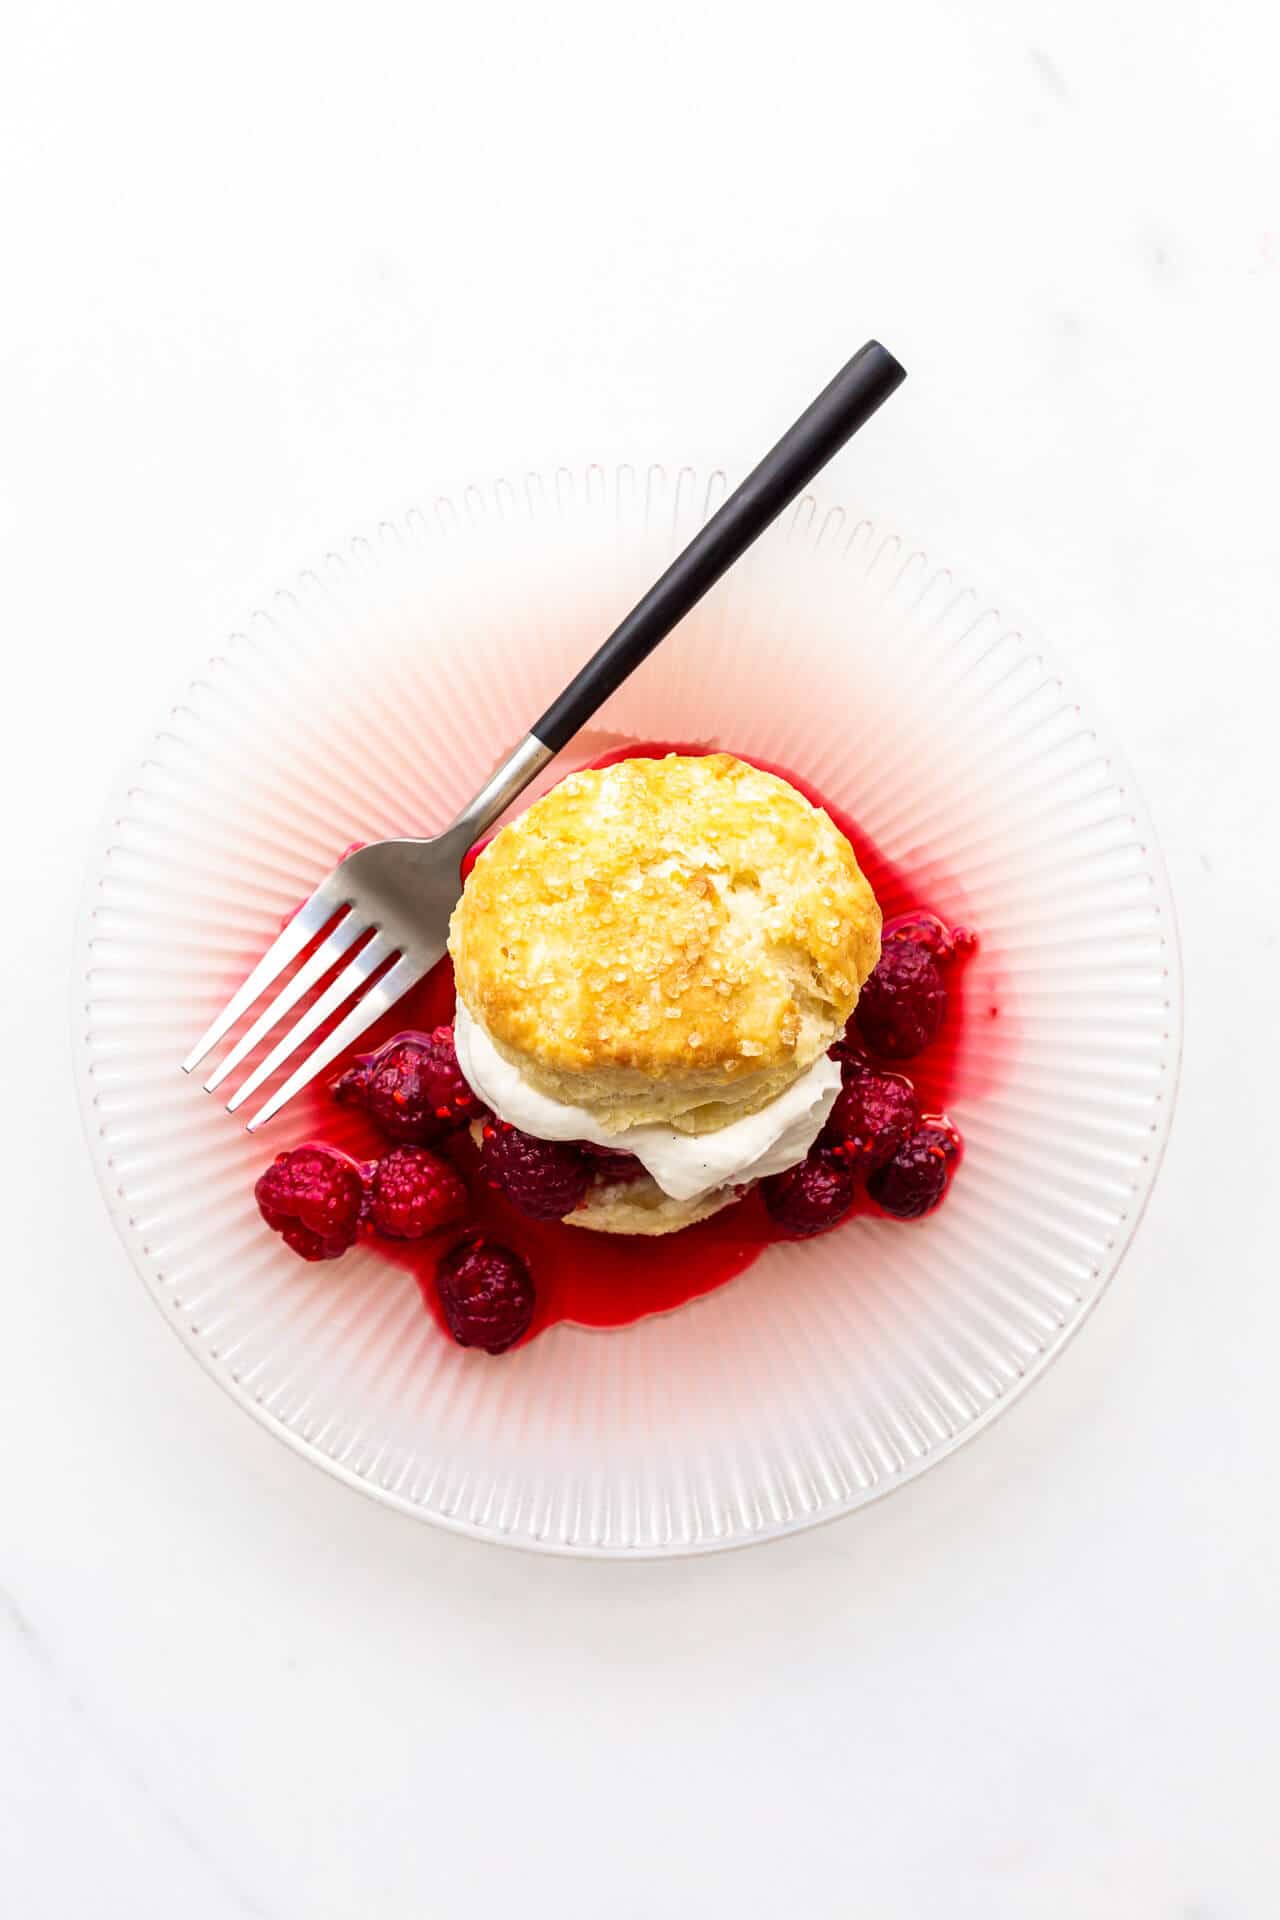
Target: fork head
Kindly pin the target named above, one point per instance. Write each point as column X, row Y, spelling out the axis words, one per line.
column 387, row 906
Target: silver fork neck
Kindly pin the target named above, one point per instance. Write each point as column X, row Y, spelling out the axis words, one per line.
column 511, row 779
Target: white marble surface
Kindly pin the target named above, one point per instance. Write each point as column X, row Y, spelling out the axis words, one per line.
column 275, row 269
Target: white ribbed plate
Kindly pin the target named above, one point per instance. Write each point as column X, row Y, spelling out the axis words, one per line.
column 370, row 699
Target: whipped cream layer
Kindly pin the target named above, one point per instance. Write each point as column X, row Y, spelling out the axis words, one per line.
column 684, row 1165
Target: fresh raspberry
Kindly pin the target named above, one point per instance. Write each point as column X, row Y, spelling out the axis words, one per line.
column 413, row 1193
column 808, row 1198
column 925, row 930
column 609, row 1163
column 849, row 1050
column 312, row 1197
column 914, row 1181
column 486, row 1292
column 544, row 1178
column 412, row 1088
column 902, row 1004
column 873, row 1114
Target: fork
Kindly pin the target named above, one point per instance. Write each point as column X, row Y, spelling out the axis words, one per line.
column 388, row 905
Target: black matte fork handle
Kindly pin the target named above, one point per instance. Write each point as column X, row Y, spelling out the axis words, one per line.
column 804, row 449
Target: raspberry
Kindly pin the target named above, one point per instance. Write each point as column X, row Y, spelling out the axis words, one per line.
column 873, row 1114
column 486, row 1292
column 544, row 1178
column 413, row 1192
column 925, row 930
column 609, row 1163
column 849, row 1050
column 312, row 1196
column 412, row 1088
column 903, row 1002
column 811, row 1197
column 914, row 1181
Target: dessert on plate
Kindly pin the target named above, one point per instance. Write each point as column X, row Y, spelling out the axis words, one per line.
column 671, row 1007
column 653, row 961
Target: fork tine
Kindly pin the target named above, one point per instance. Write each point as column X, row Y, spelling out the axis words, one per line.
column 344, row 935
column 366, row 962
column 286, row 946
column 396, row 981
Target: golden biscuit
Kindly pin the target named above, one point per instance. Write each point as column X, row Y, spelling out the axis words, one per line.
column 640, row 1206
column 669, row 939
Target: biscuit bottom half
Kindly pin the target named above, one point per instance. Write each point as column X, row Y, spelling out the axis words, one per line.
column 640, row 1206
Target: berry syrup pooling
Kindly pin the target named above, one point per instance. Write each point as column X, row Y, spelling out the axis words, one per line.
column 473, row 1207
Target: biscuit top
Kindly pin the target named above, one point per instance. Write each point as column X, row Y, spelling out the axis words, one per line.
column 690, row 920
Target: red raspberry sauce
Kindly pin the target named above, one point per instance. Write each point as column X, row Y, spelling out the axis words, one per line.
column 608, row 1280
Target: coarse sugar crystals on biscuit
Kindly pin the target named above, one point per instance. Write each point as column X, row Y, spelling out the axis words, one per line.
column 675, row 939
